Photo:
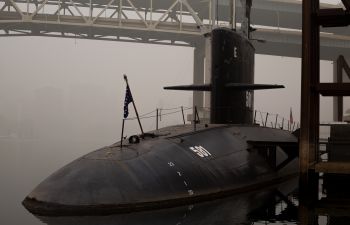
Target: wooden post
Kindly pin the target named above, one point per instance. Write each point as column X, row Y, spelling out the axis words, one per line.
column 309, row 110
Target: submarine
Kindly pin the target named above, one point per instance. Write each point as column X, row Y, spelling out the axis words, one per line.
column 180, row 165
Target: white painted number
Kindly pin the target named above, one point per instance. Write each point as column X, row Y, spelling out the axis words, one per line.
column 235, row 52
column 200, row 151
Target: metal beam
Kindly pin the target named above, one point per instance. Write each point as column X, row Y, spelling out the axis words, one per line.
column 334, row 89
column 334, row 17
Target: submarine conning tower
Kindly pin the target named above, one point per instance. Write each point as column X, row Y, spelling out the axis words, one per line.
column 232, row 63
column 232, row 78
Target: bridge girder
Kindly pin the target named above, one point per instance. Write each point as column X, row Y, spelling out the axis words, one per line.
column 169, row 22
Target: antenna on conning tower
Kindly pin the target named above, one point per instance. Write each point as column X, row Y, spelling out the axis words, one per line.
column 233, row 14
column 245, row 24
column 245, row 20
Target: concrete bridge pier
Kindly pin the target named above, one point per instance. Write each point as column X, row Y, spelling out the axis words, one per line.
column 202, row 75
column 198, row 73
column 207, row 76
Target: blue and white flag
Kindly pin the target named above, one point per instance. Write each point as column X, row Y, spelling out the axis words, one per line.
column 128, row 99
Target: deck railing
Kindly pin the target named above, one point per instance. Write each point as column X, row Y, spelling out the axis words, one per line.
column 261, row 118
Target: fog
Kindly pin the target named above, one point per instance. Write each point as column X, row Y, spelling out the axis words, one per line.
column 62, row 98
column 73, row 89
column 56, row 88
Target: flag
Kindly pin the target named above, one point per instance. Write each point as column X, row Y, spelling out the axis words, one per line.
column 291, row 117
column 128, row 99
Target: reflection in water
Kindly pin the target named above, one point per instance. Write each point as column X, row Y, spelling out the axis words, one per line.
column 271, row 204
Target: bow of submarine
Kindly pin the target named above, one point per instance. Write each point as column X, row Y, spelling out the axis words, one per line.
column 163, row 171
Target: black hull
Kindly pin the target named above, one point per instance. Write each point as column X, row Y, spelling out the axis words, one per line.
column 164, row 172
column 239, row 209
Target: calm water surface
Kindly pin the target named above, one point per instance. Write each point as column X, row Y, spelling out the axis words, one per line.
column 25, row 163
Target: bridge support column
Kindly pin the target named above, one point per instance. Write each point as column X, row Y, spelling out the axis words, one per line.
column 202, row 75
column 207, row 71
column 198, row 75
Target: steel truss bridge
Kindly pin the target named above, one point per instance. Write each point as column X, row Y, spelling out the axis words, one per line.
column 168, row 22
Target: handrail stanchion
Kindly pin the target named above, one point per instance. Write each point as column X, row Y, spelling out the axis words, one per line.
column 195, row 119
column 282, row 123
column 254, row 116
column 267, row 115
column 183, row 115
column 276, row 120
column 157, row 119
column 262, row 118
column 197, row 116
column 289, row 125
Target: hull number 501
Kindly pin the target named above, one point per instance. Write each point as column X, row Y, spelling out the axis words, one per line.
column 200, row 151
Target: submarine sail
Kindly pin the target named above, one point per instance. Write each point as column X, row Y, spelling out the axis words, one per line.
column 232, row 79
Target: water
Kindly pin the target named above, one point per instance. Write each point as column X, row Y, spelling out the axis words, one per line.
column 25, row 163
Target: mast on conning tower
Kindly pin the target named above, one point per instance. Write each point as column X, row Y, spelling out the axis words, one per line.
column 233, row 14
column 245, row 25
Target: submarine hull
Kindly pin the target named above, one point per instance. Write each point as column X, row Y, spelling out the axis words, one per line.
column 238, row 209
column 180, row 166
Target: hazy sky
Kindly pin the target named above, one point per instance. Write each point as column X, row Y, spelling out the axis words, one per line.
column 75, row 86
column 87, row 78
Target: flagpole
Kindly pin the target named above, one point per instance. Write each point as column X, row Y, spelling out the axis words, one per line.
column 122, row 135
column 133, row 103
